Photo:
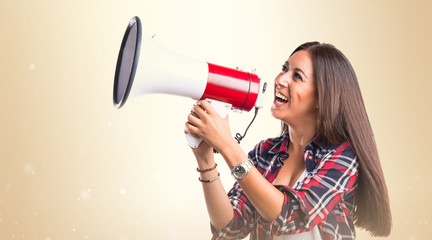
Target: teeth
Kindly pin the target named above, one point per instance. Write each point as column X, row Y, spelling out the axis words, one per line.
column 279, row 95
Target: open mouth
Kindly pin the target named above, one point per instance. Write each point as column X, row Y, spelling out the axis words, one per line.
column 280, row 98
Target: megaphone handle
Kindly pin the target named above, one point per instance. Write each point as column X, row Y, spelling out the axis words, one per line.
column 221, row 108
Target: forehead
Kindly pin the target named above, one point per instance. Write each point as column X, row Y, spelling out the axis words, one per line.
column 303, row 60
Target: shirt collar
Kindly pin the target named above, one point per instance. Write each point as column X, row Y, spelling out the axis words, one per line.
column 322, row 142
column 280, row 144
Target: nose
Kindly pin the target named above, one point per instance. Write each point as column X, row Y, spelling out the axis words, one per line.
column 283, row 80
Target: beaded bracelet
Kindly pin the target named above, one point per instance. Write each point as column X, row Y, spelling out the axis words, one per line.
column 206, row 170
column 210, row 180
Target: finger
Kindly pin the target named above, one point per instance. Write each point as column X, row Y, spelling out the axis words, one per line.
column 194, row 114
column 185, row 130
column 207, row 107
column 191, row 129
column 194, row 119
column 199, row 111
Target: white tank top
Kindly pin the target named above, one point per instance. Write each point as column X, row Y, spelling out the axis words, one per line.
column 313, row 234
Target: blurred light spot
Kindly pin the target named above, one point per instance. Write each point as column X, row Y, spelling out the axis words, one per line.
column 32, row 66
column 85, row 194
column 122, row 191
column 28, row 168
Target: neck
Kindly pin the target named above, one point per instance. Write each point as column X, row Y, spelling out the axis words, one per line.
column 300, row 137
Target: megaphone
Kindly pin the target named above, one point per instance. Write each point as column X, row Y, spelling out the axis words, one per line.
column 145, row 67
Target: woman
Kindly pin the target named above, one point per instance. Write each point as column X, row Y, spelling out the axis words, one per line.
column 318, row 179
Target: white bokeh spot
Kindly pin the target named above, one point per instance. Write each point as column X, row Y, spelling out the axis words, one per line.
column 122, row 191
column 85, row 194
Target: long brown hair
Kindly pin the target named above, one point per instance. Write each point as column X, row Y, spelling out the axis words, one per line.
column 342, row 117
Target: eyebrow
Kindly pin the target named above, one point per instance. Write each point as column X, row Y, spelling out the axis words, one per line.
column 296, row 69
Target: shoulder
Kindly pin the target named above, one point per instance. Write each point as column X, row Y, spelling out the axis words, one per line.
column 344, row 152
column 325, row 148
column 265, row 151
column 270, row 145
column 341, row 157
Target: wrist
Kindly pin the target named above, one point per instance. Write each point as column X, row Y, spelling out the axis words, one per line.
column 233, row 154
column 203, row 170
column 204, row 157
column 228, row 147
column 240, row 171
column 205, row 163
column 208, row 175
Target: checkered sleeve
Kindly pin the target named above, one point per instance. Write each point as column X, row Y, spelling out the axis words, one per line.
column 319, row 193
column 240, row 226
column 244, row 212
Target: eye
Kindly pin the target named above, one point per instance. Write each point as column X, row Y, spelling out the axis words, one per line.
column 298, row 76
column 284, row 68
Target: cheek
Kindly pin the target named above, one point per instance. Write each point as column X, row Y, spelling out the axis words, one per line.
column 308, row 98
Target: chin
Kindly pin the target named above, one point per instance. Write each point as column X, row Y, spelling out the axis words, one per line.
column 276, row 113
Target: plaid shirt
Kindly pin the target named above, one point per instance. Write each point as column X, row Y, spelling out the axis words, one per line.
column 325, row 197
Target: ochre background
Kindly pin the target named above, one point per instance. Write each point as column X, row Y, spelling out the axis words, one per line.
column 74, row 167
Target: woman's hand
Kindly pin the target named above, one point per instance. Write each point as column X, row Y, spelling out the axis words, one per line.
column 206, row 123
column 203, row 153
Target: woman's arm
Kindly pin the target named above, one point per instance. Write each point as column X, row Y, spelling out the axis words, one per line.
column 207, row 124
column 218, row 204
column 266, row 199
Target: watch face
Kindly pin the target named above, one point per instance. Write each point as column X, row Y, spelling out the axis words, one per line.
column 239, row 172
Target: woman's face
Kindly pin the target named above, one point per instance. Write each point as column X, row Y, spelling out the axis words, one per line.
column 295, row 98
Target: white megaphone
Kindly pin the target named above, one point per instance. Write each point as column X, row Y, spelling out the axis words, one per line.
column 158, row 70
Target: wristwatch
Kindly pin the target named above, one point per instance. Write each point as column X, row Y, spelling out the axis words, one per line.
column 239, row 171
